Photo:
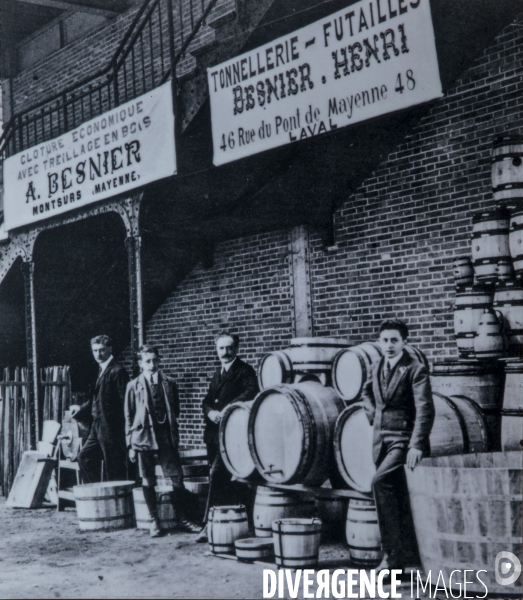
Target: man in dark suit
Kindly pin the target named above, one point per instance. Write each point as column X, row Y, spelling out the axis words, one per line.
column 106, row 439
column 398, row 402
column 151, row 429
column 233, row 381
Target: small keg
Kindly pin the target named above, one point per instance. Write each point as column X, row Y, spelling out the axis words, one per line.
column 507, row 171
column 489, row 341
column 508, row 301
column 469, row 307
column 515, row 238
column 463, row 272
column 490, row 243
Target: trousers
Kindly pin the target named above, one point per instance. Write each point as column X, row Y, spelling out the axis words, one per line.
column 101, row 445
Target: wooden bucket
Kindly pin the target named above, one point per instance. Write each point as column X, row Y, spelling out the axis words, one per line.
column 490, row 230
column 469, row 306
column 459, row 427
column 275, row 368
column 234, row 441
column 507, row 171
column 105, row 505
column 251, row 549
column 165, row 509
column 271, row 504
column 290, row 432
column 296, row 542
column 512, row 412
column 466, row 509
column 508, row 300
column 363, row 533
column 353, row 448
column 352, row 367
column 515, row 237
column 226, row 525
column 463, row 272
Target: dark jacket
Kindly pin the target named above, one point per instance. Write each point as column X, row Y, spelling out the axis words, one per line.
column 238, row 384
column 404, row 412
column 139, row 431
column 109, row 393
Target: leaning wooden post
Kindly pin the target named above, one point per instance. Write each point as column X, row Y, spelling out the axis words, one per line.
column 33, row 387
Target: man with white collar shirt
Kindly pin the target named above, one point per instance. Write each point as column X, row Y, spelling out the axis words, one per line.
column 106, row 439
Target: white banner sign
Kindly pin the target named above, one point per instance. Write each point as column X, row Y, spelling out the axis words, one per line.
column 371, row 58
column 118, row 151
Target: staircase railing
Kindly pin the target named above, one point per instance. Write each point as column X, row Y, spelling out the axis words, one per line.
column 147, row 56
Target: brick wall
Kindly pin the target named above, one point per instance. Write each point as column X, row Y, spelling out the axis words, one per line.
column 248, row 291
column 396, row 239
column 398, row 235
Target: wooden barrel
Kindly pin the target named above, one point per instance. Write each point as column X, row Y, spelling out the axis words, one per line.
column 290, row 432
column 353, row 448
column 459, row 427
column 165, row 508
column 463, row 271
column 363, row 533
column 481, row 382
column 466, row 509
column 515, row 238
column 105, row 505
column 504, row 269
column 489, row 341
column 508, row 300
column 226, row 525
column 314, row 356
column 234, row 442
column 275, row 368
column 352, row 367
column 507, row 171
column 251, row 549
column 296, row 542
column 469, row 306
column 332, row 512
column 512, row 412
column 271, row 504
column 490, row 230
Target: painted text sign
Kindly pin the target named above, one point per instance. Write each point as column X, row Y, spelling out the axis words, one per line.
column 369, row 59
column 118, row 151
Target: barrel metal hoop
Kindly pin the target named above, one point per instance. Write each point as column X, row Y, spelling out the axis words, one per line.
column 365, row 548
column 516, row 185
column 284, row 558
column 512, row 412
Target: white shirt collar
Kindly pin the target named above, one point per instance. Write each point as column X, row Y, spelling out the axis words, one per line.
column 227, row 366
column 103, row 365
column 393, row 361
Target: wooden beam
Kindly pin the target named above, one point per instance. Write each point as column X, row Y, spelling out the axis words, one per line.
column 105, row 8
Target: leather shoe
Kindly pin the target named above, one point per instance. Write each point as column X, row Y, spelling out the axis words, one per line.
column 389, row 562
column 188, row 527
column 155, row 530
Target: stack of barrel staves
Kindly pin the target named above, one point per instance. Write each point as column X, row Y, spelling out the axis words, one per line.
column 307, row 440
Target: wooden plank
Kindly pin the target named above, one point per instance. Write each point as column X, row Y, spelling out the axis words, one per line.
column 32, row 481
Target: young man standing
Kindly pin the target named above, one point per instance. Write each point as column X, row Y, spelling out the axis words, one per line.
column 398, row 402
column 151, row 429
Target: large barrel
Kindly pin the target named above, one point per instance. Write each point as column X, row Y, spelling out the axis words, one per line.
column 271, row 504
column 226, row 525
column 466, row 509
column 363, row 533
column 234, row 442
column 507, row 171
column 515, row 238
column 296, row 542
column 489, row 243
column 352, row 367
column 275, row 368
column 165, row 508
column 512, row 412
column 290, row 432
column 470, row 304
column 459, row 427
column 105, row 505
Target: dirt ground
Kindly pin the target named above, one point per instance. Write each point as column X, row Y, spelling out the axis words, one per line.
column 43, row 554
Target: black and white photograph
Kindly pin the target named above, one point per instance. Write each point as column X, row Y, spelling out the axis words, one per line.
column 261, row 299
